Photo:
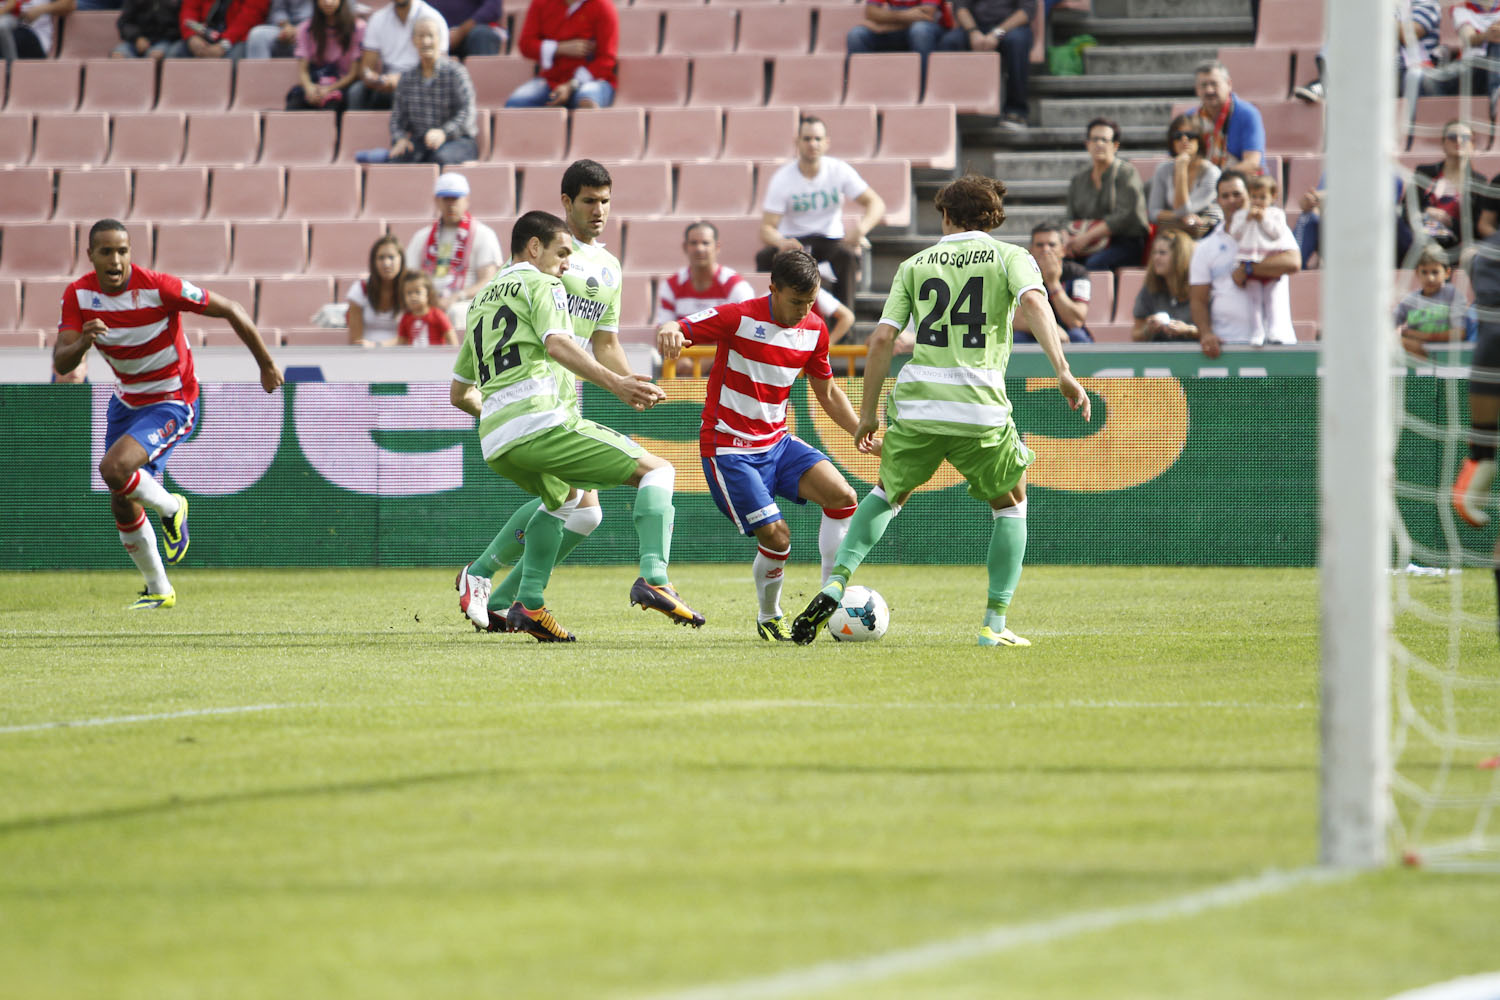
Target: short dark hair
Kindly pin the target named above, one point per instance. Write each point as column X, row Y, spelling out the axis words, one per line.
column 543, row 225
column 104, row 226
column 973, row 202
column 1049, row 226
column 1184, row 123
column 1110, row 123
column 795, row 270
column 1231, row 175
column 700, row 224
column 810, row 120
column 584, row 173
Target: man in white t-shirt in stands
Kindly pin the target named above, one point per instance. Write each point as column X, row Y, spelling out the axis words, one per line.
column 461, row 253
column 387, row 51
column 1222, row 310
column 804, row 209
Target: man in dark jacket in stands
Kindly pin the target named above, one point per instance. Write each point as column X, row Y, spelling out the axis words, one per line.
column 1002, row 26
column 472, row 27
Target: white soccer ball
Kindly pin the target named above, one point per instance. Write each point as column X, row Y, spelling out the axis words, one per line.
column 861, row 616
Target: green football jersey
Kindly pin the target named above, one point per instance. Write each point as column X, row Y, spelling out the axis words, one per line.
column 961, row 293
column 592, row 281
column 504, row 352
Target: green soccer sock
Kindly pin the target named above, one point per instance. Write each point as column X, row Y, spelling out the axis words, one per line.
column 503, row 594
column 653, row 526
column 505, row 548
column 543, row 538
column 1007, row 550
column 866, row 527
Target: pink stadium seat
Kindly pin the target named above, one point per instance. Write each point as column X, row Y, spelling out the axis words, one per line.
column 142, row 243
column 1302, row 175
column 363, row 130
column 739, row 239
column 88, row 195
column 1101, row 298
column 298, row 137
column 1306, row 291
column 45, row 84
column 16, row 129
column 91, row 34
column 541, row 187
column 148, row 138
column 851, row 129
column 261, row 85
column 640, row 31
column 492, row 188
column 528, row 134
column 495, row 78
column 25, row 194
column 192, row 247
column 884, row 78
column 780, row 29
column 41, row 303
column 891, row 179
column 642, row 189
column 342, row 246
column 1128, row 284
column 11, row 337
column 970, row 81
column 699, row 31
column 1425, row 127
column 222, row 137
column 80, row 139
column 170, row 193
column 608, row 134
column 312, row 336
column 834, row 22
column 197, row 85
column 234, row 289
column 637, row 305
column 653, row 246
column 1293, row 127
column 927, row 136
column 684, row 134
column 255, row 191
column 729, row 80
column 1289, row 22
column 270, row 248
column 324, row 192
column 399, row 190
column 10, row 307
column 1259, row 73
column 721, row 188
column 38, row 249
column 759, row 133
column 812, row 79
column 653, row 82
column 1110, row 333
column 119, row 84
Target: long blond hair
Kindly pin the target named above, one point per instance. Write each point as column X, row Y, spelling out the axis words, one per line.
column 1176, row 283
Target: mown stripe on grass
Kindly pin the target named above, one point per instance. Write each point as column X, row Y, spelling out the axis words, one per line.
column 121, row 720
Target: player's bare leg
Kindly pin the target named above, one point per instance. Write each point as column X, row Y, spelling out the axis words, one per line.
column 1007, row 551
column 129, row 489
column 654, row 479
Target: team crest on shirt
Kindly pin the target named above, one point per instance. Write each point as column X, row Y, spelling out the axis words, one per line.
column 192, row 292
column 97, row 304
column 609, row 277
column 760, row 331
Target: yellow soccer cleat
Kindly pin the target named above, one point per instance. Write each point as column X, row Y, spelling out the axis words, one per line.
column 664, row 599
column 174, row 533
column 1004, row 637
column 150, row 602
column 775, row 630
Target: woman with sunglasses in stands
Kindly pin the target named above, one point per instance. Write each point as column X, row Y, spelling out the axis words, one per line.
column 1182, row 194
column 1448, row 194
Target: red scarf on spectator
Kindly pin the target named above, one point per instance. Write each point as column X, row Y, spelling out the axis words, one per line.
column 1215, row 143
column 458, row 264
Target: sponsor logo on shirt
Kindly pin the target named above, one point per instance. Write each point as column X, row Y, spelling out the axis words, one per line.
column 756, row 516
column 581, row 307
column 560, row 298
column 192, row 293
column 699, row 317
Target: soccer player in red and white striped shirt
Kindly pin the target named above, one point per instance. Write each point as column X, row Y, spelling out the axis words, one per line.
column 748, row 456
column 132, row 317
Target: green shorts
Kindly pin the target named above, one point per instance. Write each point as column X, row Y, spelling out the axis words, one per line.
column 587, row 456
column 993, row 465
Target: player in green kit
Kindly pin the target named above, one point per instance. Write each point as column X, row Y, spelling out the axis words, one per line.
column 531, row 431
column 949, row 400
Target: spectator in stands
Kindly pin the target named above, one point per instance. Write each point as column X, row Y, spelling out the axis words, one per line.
column 704, row 283
column 375, row 306
column 1478, row 24
column 27, row 26
column 576, row 47
column 460, row 253
column 1182, row 189
column 804, row 209
column 1220, row 307
column 1003, row 26
column 1068, row 285
column 1233, row 134
column 278, row 36
column 213, row 29
column 1163, row 308
column 1447, row 197
column 388, row 50
column 422, row 324
column 901, row 26
column 1433, row 312
column 328, row 50
column 1108, row 204
column 472, row 27
column 434, row 120
column 1259, row 230
column 1307, row 230
column 147, row 28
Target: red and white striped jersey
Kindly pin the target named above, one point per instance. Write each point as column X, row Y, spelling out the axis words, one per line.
column 678, row 298
column 145, row 344
column 757, row 361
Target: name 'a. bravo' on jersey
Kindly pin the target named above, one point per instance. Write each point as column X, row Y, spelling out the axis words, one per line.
column 756, row 363
column 504, row 353
column 961, row 292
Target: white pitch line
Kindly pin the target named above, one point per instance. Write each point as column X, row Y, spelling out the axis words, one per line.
column 120, row 720
column 838, row 974
column 766, row 705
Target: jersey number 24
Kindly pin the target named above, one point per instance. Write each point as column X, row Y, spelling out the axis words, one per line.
column 967, row 311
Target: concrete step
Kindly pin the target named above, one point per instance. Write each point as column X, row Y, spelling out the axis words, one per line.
column 1011, row 167
column 1171, row 8
column 1038, row 139
column 1152, row 113
column 1106, row 87
column 1220, row 30
column 1137, row 60
column 890, row 251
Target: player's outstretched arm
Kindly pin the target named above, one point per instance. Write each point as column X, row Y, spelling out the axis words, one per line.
column 244, row 328
column 670, row 340
column 609, row 352
column 72, row 345
column 1033, row 305
column 878, row 351
column 636, row 391
column 832, row 398
column 465, row 396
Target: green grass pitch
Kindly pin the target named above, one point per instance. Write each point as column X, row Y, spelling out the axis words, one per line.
column 394, row 806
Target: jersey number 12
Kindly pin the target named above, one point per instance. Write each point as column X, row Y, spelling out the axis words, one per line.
column 502, row 357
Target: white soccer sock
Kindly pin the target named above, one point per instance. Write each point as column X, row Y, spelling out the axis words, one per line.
column 140, row 541
column 831, row 532
column 769, row 570
column 145, row 490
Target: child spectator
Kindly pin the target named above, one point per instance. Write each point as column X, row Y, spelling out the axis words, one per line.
column 1260, row 230
column 328, row 47
column 422, row 322
column 1434, row 311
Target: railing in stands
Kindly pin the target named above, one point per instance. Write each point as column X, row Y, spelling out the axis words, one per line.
column 696, row 355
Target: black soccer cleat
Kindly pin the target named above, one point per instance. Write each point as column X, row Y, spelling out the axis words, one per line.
column 497, row 623
column 664, row 599
column 540, row 625
column 805, row 626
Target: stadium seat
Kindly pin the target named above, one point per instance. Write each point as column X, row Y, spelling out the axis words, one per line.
column 16, row 131
column 400, row 190
column 759, row 133
column 1424, row 128
column 684, row 134
column 231, row 137
column 699, row 31
column 780, row 29
column 363, row 130
column 640, row 31
column 25, row 194
column 851, row 129
column 887, row 79
column 251, row 192
column 298, row 137
column 118, row 84
column 148, row 138
column 1302, row 174
column 729, row 80
column 142, row 243
column 814, row 79
column 45, row 84
column 170, row 193
column 261, row 85
column 312, row 336
column 10, row 336
column 493, row 189
column 38, row 249
column 192, row 247
column 1101, row 298
column 86, row 195
column 1111, row 332
column 891, row 179
column 1293, row 127
column 642, row 189
column 739, row 240
column 80, row 139
column 541, row 187
column 235, row 289
column 1306, row 289
column 529, row 134
column 970, row 81
column 834, row 22
column 10, row 308
column 1259, row 73
column 93, row 34
column 495, row 79
column 637, row 300
column 342, row 246
column 721, row 188
column 197, row 85
column 608, row 134
column 269, row 248
column 1289, row 22
column 653, row 246
column 41, row 303
column 1128, row 284
column 333, row 191
column 927, row 136
column 658, row 81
